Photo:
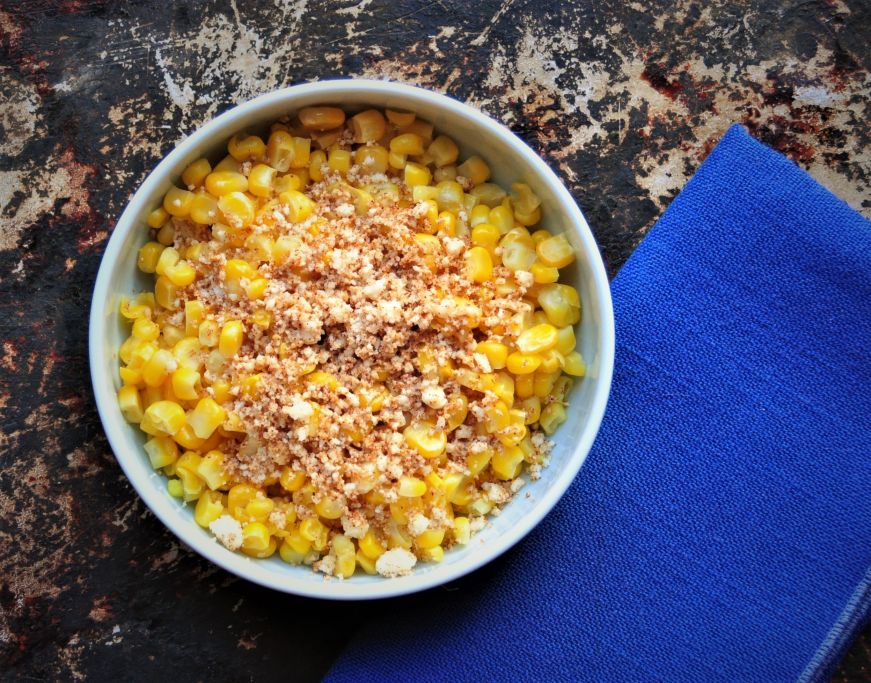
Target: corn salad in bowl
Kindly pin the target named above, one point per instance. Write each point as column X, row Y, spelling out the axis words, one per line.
column 338, row 327
column 355, row 344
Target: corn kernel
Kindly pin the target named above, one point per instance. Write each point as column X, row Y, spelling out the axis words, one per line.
column 456, row 410
column 321, row 118
column 561, row 304
column 488, row 193
column 206, row 417
column 566, row 340
column 316, row 162
column 157, row 218
column 184, row 383
column 260, row 180
column 522, row 363
column 506, row 463
column 148, row 257
column 339, row 161
column 166, row 234
column 370, row 546
column 411, row 487
column 255, row 539
column 555, row 252
column 177, row 202
column 372, row 158
column 174, row 488
column 544, row 382
column 365, row 563
column 162, row 417
column 195, row 173
column 130, row 403
column 232, row 334
column 475, row 169
column 542, row 274
column 479, row 265
column 430, row 538
column 426, row 439
column 538, row 339
column 219, row 183
column 209, row 507
column 553, row 415
column 246, row 147
column 312, row 529
column 330, row 508
column 368, row 126
column 298, row 207
column 462, row 531
column 407, row 144
column 575, row 365
column 415, row 174
column 443, row 150
column 345, row 554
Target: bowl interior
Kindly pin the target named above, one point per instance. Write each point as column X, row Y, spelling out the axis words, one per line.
column 510, row 161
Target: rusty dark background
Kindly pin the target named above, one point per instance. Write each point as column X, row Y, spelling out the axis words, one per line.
column 624, row 99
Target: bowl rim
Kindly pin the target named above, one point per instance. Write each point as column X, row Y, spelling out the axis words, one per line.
column 114, row 425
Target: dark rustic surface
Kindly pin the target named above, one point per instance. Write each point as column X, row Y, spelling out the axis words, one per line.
column 623, row 98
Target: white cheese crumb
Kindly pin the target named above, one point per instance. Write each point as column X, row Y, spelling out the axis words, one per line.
column 483, row 362
column 434, row 397
column 517, row 484
column 418, row 524
column 355, row 527
column 535, row 471
column 375, row 289
column 299, row 409
column 228, row 531
column 477, row 523
column 327, row 565
column 496, row 493
column 524, row 278
column 454, row 246
column 396, row 562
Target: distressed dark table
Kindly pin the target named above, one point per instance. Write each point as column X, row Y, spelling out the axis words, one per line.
column 624, row 99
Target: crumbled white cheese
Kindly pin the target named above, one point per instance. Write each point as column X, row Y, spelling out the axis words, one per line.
column 327, row 565
column 228, row 531
column 495, row 492
column 434, row 397
column 418, row 524
column 483, row 362
column 396, row 562
column 299, row 409
column 524, row 278
column 355, row 526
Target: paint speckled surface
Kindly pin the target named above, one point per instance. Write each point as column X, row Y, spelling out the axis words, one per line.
column 624, row 99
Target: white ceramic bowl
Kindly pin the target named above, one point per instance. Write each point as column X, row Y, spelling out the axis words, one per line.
column 511, row 160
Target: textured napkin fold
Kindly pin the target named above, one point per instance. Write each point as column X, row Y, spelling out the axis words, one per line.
column 721, row 527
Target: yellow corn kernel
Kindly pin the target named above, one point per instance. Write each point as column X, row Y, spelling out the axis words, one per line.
column 204, row 209
column 195, row 173
column 148, row 257
column 396, row 160
column 415, row 174
column 150, row 395
column 365, row 563
column 462, row 530
column 212, row 471
column 208, row 508
column 285, row 183
column 407, row 144
column 566, row 340
column 478, row 216
column 537, row 339
column 531, row 408
column 187, row 352
column 555, row 252
column 130, row 403
column 475, row 169
column 339, row 161
column 501, row 218
column 346, row 557
column 506, row 463
column 426, row 439
column 184, row 383
column 301, row 158
column 228, row 163
column 561, row 303
column 516, row 431
column 157, row 218
column 456, row 410
column 443, row 150
column 540, row 236
column 479, row 264
column 280, row 150
column 430, row 538
column 542, row 274
column 245, row 147
column 544, row 382
column 485, row 235
column 219, row 183
column 450, row 196
column 463, row 494
column 145, row 330
column 524, row 386
column 323, row 379
column 522, row 363
column 411, row 487
column 291, row 480
column 162, row 417
column 553, row 415
column 445, row 173
column 256, row 539
column 330, row 508
column 312, row 529
column 298, row 206
column 400, row 119
column 238, row 498
column 130, row 376
column 232, row 335
column 237, row 208
column 372, row 158
column 174, row 488
column 166, row 234
column 523, row 199
column 446, row 223
column 260, row 180
column 476, row 462
column 575, row 365
column 256, row 288
column 489, row 194
column 496, row 352
column 503, row 386
column 321, row 118
column 517, row 256
column 177, row 202
column 551, row 361
column 497, row 417
column 157, row 367
column 181, row 274
column 186, row 438
column 316, row 162
column 206, row 417
column 194, row 312
column 368, row 126
column 236, row 269
column 370, row 546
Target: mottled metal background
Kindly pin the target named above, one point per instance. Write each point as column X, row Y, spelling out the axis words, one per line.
column 624, row 98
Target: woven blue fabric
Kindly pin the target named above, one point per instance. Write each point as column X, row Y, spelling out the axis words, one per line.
column 721, row 527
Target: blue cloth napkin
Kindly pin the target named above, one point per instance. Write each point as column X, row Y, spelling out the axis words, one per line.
column 721, row 527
